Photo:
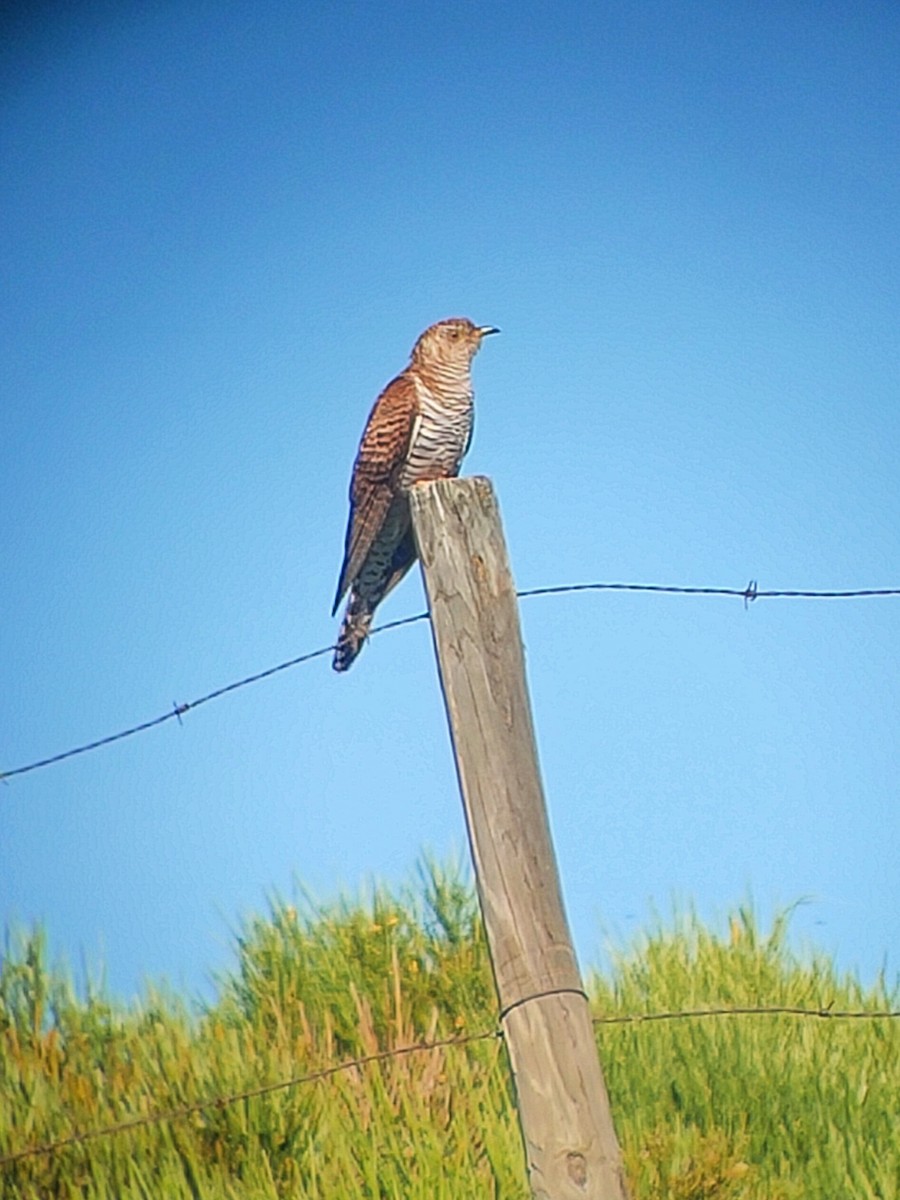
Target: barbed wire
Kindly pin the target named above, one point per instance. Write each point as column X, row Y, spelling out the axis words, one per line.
column 181, row 1112
column 176, row 712
column 748, row 594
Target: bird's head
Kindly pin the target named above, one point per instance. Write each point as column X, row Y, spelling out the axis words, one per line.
column 453, row 342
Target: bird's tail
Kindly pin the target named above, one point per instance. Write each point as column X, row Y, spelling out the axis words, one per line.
column 354, row 631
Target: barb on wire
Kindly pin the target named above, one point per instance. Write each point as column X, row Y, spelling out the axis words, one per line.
column 217, row 1102
column 748, row 594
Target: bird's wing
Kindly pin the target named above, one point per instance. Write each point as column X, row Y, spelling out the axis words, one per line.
column 382, row 453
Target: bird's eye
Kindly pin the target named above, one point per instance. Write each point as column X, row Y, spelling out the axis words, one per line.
column 454, row 333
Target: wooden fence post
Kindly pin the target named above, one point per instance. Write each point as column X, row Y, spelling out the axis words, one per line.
column 570, row 1143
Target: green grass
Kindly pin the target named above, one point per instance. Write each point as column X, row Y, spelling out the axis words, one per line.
column 738, row 1108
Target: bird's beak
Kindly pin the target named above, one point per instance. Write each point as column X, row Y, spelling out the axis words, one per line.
column 484, row 330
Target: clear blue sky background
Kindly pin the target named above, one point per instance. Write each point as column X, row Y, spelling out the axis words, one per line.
column 221, row 229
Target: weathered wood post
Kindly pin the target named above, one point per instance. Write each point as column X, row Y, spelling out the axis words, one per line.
column 570, row 1143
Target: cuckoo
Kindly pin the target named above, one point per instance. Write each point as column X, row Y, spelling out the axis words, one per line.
column 419, row 429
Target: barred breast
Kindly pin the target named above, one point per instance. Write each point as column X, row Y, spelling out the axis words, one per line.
column 441, row 434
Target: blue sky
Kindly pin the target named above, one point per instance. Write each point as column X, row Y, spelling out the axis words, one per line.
column 223, row 227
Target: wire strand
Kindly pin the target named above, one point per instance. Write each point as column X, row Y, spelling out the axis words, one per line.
column 748, row 594
column 217, row 1102
column 765, row 1010
column 176, row 712
column 164, row 1116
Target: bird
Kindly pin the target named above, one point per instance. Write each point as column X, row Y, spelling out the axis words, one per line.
column 419, row 429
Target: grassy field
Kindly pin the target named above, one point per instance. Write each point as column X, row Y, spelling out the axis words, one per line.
column 736, row 1107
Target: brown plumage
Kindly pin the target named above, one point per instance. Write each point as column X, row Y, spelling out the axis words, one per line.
column 419, row 428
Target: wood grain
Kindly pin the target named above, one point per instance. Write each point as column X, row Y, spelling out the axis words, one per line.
column 570, row 1142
